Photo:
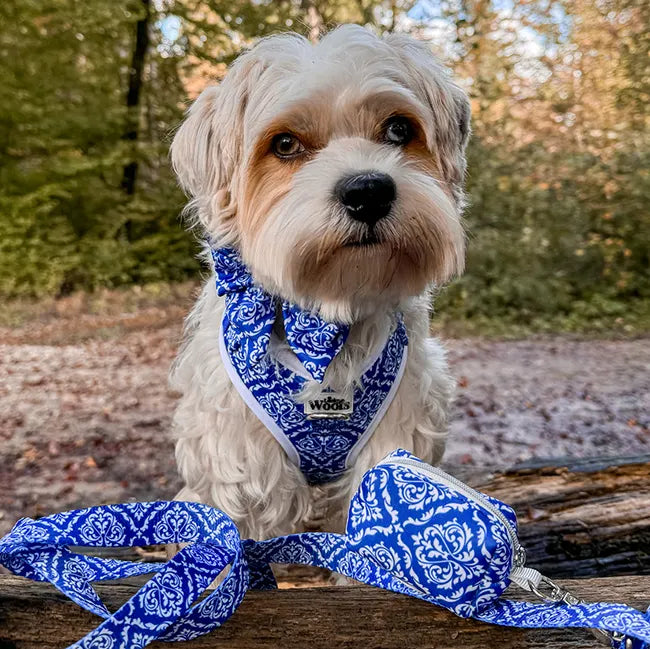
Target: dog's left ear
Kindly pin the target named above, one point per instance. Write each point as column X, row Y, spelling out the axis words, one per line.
column 449, row 105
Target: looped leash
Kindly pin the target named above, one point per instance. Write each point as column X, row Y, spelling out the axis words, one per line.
column 164, row 608
column 443, row 566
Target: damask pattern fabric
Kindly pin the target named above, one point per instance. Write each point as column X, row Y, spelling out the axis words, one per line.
column 251, row 312
column 323, row 448
column 162, row 609
column 406, row 533
column 452, row 549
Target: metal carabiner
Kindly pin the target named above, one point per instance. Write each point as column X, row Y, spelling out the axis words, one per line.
column 557, row 594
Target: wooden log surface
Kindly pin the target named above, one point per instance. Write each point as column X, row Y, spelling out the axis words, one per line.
column 580, row 518
column 37, row 616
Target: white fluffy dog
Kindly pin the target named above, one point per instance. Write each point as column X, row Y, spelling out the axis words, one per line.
column 335, row 172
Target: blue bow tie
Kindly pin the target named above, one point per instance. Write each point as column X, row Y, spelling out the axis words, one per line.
column 251, row 313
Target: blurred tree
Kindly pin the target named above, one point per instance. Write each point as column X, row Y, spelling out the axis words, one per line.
column 558, row 181
column 135, row 80
column 90, row 92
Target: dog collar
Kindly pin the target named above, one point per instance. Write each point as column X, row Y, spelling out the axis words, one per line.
column 251, row 313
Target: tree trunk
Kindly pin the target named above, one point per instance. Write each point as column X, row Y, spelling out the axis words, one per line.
column 136, row 72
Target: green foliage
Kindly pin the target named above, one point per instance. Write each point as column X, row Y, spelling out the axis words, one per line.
column 65, row 222
column 539, row 249
column 558, row 181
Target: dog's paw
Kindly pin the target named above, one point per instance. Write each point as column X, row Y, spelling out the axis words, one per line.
column 340, row 580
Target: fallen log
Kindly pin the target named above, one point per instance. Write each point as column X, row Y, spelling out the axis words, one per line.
column 580, row 518
column 577, row 518
column 37, row 616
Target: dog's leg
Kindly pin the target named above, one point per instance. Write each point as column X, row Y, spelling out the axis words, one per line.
column 225, row 455
column 230, row 461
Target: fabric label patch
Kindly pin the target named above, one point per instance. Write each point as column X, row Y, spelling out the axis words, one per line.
column 329, row 405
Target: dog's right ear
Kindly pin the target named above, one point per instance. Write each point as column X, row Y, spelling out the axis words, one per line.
column 206, row 151
column 192, row 150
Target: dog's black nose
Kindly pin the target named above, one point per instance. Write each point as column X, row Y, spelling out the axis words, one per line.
column 367, row 196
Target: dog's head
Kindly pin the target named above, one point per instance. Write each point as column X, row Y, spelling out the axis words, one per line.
column 335, row 168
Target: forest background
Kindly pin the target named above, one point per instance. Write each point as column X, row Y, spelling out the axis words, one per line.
column 558, row 182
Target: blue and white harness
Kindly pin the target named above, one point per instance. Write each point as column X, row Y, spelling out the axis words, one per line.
column 324, row 435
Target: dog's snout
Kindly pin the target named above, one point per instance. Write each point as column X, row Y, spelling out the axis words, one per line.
column 367, row 196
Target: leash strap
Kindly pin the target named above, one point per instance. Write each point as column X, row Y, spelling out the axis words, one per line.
column 166, row 607
column 329, row 551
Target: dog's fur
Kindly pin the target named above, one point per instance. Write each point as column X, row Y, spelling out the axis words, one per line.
column 282, row 217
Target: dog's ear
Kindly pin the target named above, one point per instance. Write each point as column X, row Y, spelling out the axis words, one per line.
column 206, row 151
column 449, row 105
column 193, row 148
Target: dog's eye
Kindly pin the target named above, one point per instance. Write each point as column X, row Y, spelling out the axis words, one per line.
column 398, row 131
column 285, row 145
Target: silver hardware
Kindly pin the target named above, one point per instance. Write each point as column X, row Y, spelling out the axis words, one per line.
column 608, row 637
column 553, row 593
column 520, row 557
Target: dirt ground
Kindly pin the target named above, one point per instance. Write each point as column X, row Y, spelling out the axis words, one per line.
column 85, row 410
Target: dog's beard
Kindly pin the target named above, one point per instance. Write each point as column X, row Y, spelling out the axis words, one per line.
column 396, row 258
column 301, row 244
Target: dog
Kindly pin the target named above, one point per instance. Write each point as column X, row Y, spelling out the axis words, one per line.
column 327, row 180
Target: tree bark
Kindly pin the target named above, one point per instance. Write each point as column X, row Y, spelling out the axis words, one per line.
column 580, row 518
column 37, row 616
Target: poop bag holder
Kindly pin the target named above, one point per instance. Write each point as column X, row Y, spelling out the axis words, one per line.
column 456, row 546
column 411, row 529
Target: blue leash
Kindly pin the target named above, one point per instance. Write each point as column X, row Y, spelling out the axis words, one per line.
column 420, row 538
column 164, row 607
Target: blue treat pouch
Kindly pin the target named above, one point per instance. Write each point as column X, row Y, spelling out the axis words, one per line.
column 454, row 545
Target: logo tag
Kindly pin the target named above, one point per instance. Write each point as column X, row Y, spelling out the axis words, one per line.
column 329, row 405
